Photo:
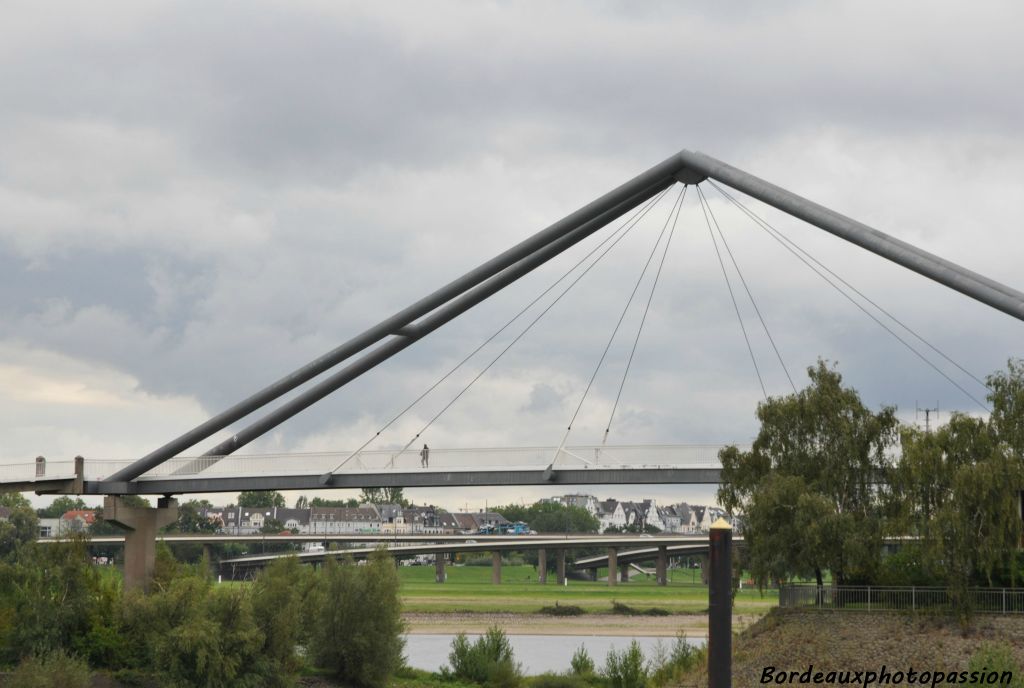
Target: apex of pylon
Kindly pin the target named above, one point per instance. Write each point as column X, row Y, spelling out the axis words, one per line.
column 721, row 524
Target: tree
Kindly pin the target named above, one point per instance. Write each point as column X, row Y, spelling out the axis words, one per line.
column 957, row 489
column 272, row 527
column 1007, row 399
column 20, row 527
column 383, row 495
column 278, row 596
column 349, row 503
column 552, row 517
column 633, row 528
column 807, row 487
column 302, row 502
column 356, row 621
column 190, row 520
column 60, row 506
column 255, row 499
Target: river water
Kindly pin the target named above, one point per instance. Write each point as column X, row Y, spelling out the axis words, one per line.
column 536, row 653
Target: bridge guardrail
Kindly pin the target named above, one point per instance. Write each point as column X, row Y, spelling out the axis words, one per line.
column 440, row 459
column 892, row 598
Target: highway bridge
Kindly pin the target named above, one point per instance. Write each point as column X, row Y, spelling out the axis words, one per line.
column 656, row 548
column 622, row 550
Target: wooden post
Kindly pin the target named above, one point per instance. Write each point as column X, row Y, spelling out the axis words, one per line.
column 720, row 606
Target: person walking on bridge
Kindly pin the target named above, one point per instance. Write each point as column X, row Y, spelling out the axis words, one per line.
column 425, row 456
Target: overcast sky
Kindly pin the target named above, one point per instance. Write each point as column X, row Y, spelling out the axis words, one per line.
column 196, row 198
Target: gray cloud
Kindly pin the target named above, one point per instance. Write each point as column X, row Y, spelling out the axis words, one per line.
column 197, row 199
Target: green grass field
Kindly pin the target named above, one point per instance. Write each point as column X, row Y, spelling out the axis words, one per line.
column 469, row 589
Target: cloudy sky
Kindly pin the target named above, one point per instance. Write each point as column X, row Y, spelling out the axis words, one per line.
column 196, row 198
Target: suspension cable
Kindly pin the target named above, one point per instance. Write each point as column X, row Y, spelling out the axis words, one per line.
column 643, row 319
column 632, row 223
column 627, row 226
column 796, row 250
column 629, row 301
column 746, row 287
column 732, row 296
column 854, row 289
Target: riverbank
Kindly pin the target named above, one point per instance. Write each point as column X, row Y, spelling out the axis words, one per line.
column 469, row 590
column 694, row 625
column 853, row 641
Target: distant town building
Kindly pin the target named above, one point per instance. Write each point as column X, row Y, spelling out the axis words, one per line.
column 77, row 521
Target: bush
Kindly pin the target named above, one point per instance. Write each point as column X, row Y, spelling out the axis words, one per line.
column 551, row 680
column 562, row 610
column 626, row 669
column 56, row 669
column 619, row 608
column 906, row 567
column 582, row 664
column 52, row 594
column 278, row 596
column 356, row 621
column 489, row 661
column 671, row 668
column 196, row 635
column 998, row 658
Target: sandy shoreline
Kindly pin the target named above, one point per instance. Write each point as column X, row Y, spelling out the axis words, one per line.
column 694, row 625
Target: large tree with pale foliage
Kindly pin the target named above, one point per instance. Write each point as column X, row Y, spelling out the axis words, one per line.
column 958, row 490
column 808, row 487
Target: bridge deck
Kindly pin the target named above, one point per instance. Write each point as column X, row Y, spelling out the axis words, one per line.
column 641, row 464
column 681, row 543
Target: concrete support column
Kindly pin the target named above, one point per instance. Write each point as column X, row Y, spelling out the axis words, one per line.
column 624, row 573
column 140, row 540
column 592, row 575
column 496, row 567
column 704, row 569
column 560, row 565
column 208, row 556
column 439, row 574
column 662, row 568
column 613, row 565
column 542, row 566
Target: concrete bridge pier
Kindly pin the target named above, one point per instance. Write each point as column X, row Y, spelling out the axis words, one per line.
column 542, row 566
column 662, row 569
column 439, row 573
column 613, row 565
column 560, row 566
column 496, row 567
column 208, row 557
column 623, row 573
column 140, row 540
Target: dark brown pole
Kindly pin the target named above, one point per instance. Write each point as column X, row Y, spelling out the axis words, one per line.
column 720, row 606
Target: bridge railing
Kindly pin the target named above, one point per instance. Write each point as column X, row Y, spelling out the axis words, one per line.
column 29, row 471
column 904, row 598
column 440, row 459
